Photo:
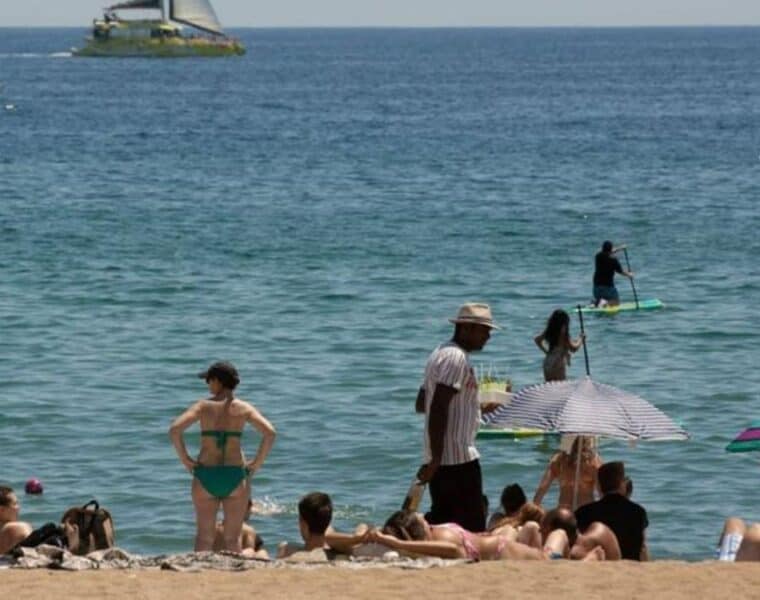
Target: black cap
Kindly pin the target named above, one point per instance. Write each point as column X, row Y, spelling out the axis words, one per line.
column 224, row 371
column 607, row 246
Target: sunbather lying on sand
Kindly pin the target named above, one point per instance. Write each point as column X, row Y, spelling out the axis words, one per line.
column 409, row 533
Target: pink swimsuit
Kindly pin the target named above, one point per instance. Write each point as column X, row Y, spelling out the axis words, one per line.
column 470, row 548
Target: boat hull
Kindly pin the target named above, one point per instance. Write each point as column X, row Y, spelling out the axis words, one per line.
column 160, row 48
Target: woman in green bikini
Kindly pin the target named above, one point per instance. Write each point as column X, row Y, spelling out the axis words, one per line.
column 221, row 474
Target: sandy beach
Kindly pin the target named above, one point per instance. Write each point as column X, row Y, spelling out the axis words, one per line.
column 665, row 579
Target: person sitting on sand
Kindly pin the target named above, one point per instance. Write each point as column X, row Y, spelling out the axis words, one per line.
column 512, row 500
column 12, row 531
column 627, row 520
column 596, row 543
column 314, row 517
column 410, row 534
column 528, row 512
column 738, row 542
column 559, row 345
column 563, row 467
column 250, row 542
column 221, row 474
column 606, row 266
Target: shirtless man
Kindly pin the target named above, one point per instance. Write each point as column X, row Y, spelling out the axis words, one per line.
column 12, row 531
column 314, row 516
column 596, row 543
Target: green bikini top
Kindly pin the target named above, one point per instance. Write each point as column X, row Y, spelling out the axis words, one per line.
column 221, row 436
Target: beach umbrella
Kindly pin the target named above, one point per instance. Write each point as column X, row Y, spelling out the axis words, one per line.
column 584, row 407
column 747, row 441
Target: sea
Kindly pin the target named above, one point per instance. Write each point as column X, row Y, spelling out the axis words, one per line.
column 316, row 210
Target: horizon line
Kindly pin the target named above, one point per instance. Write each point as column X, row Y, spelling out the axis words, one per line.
column 599, row 26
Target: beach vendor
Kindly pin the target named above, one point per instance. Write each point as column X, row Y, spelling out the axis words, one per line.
column 604, row 275
column 221, row 474
column 452, row 417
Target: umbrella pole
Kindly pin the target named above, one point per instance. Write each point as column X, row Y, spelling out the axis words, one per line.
column 583, row 339
column 578, row 440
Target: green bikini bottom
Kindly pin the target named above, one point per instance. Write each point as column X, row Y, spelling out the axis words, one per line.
column 220, row 480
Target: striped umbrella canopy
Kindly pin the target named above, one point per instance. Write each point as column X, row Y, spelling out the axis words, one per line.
column 747, row 441
column 585, row 407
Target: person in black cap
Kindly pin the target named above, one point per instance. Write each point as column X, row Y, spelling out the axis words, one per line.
column 604, row 275
column 221, row 474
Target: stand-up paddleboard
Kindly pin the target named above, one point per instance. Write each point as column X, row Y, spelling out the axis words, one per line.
column 650, row 304
column 498, row 433
column 495, row 391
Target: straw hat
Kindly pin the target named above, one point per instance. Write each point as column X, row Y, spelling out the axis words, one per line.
column 473, row 312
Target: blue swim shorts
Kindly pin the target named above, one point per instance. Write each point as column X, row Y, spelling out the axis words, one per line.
column 606, row 292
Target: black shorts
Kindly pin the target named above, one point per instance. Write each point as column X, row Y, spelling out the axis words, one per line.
column 456, row 492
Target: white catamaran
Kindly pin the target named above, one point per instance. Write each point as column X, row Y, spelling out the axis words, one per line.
column 113, row 35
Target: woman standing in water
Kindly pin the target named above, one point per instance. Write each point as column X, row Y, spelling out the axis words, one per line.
column 563, row 466
column 559, row 345
column 221, row 474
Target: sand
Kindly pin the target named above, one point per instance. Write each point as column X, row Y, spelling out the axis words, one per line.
column 491, row 580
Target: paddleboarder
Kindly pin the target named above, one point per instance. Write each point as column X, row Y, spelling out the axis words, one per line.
column 605, row 292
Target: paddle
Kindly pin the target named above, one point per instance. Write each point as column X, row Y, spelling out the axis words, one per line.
column 633, row 287
column 583, row 339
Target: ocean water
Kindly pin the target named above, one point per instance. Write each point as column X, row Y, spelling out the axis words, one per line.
column 316, row 210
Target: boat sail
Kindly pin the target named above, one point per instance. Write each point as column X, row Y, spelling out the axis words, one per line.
column 197, row 13
column 160, row 37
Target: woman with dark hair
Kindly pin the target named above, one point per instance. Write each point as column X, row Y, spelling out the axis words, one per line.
column 563, row 467
column 559, row 345
column 221, row 474
column 409, row 533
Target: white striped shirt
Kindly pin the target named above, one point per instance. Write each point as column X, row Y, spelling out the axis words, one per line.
column 450, row 365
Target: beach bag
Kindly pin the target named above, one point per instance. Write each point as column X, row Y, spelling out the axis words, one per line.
column 50, row 534
column 95, row 526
